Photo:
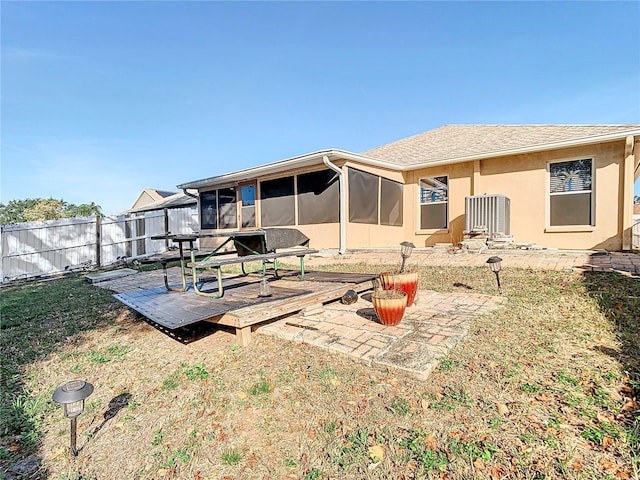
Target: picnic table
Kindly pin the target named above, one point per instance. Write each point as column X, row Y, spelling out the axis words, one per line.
column 264, row 245
column 184, row 257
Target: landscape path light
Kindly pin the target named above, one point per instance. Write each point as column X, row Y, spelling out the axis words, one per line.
column 405, row 252
column 495, row 263
column 71, row 396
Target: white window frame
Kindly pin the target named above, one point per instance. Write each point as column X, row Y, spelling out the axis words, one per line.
column 437, row 202
column 591, row 191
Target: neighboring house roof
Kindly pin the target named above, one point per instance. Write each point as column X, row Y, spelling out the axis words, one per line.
column 446, row 145
column 468, row 142
column 150, row 195
column 175, row 200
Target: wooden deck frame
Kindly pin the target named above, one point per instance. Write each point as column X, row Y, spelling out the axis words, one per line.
column 242, row 308
column 244, row 319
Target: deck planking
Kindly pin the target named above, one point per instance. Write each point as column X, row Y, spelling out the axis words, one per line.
column 241, row 307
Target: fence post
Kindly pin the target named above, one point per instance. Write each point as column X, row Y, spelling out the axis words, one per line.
column 166, row 228
column 98, row 241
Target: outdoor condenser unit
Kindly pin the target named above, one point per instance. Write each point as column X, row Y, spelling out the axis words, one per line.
column 488, row 211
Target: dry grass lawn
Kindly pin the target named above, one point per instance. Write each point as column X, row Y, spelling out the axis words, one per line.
column 544, row 388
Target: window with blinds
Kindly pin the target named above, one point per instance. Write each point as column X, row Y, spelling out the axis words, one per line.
column 434, row 202
column 570, row 190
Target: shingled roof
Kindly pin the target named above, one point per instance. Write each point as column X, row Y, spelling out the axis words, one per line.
column 460, row 142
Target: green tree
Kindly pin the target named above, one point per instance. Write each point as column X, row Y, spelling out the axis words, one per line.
column 637, row 200
column 49, row 209
column 82, row 210
column 37, row 209
column 13, row 211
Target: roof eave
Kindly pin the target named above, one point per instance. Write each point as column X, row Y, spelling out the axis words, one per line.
column 316, row 157
column 308, row 159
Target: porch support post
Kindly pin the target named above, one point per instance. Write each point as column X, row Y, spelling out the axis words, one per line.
column 627, row 172
column 343, row 203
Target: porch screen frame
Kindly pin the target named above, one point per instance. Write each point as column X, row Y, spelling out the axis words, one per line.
column 364, row 196
column 391, row 202
column 318, row 197
column 209, row 210
column 277, row 202
column 228, row 207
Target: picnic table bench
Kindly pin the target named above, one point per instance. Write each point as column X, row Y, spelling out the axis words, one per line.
column 217, row 264
column 164, row 258
column 250, row 245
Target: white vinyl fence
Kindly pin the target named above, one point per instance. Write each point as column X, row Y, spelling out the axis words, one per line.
column 37, row 249
column 635, row 236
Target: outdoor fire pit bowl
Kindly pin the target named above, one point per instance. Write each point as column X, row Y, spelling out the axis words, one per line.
column 406, row 282
column 389, row 305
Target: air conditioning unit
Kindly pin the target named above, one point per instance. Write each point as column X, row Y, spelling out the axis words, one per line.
column 487, row 212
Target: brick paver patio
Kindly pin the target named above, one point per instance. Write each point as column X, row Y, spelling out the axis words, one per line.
column 427, row 331
column 438, row 321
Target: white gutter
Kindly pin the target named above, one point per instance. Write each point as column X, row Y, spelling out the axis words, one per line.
column 282, row 166
column 343, row 203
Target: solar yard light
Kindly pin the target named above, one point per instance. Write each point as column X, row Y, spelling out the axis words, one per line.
column 71, row 396
column 405, row 252
column 495, row 263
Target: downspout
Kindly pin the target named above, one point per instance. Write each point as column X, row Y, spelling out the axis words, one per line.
column 184, row 190
column 343, row 204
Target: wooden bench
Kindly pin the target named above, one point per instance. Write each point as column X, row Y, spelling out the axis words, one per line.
column 217, row 264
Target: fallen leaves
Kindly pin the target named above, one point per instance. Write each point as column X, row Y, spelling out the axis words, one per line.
column 377, row 452
column 430, row 441
column 502, row 409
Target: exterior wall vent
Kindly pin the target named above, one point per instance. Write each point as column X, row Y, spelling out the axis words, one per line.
column 487, row 212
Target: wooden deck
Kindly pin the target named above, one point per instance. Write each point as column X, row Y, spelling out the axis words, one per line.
column 240, row 307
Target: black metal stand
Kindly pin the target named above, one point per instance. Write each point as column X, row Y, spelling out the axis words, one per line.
column 74, row 428
column 498, row 280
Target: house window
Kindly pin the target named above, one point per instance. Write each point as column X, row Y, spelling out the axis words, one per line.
column 570, row 193
column 434, row 203
column 248, row 208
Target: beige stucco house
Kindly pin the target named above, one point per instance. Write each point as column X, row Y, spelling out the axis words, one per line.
column 563, row 186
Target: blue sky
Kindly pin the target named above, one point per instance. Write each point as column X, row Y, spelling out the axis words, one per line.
column 103, row 99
